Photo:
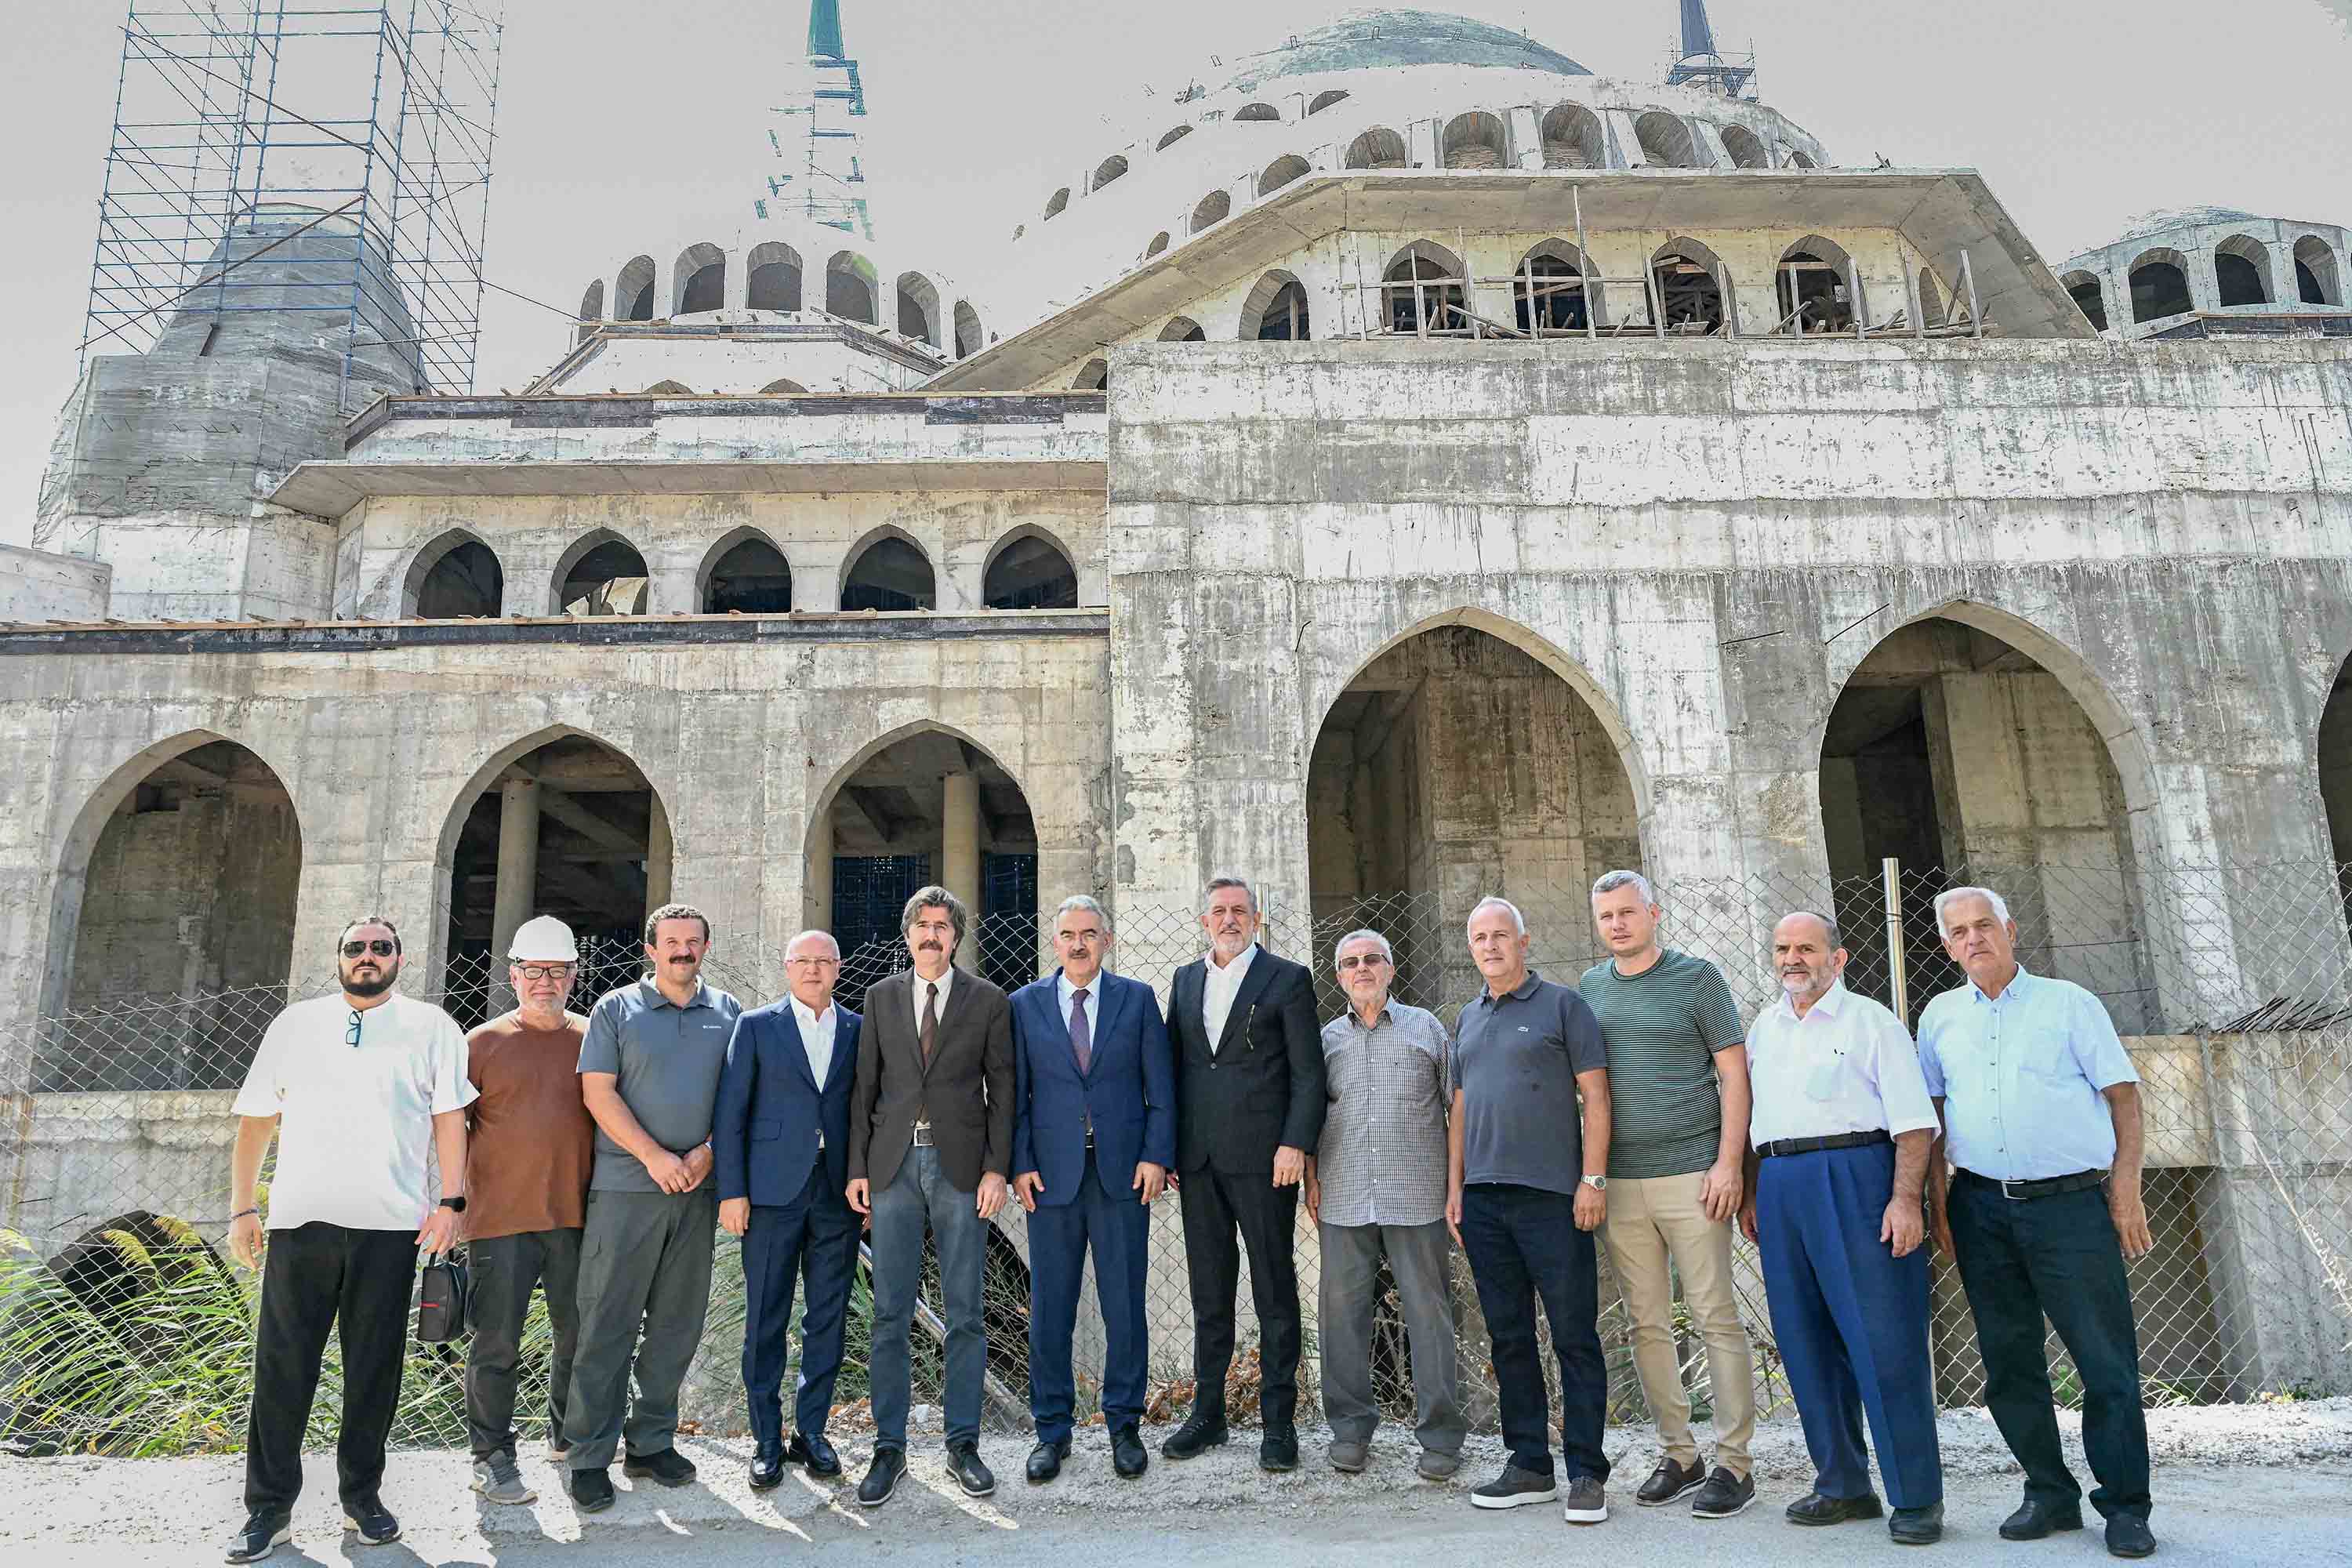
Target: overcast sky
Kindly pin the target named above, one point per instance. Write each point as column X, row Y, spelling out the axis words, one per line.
column 617, row 118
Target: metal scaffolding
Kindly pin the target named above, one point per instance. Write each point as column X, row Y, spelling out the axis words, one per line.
column 830, row 186
column 325, row 164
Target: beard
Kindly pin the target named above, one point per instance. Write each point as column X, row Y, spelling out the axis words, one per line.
column 376, row 987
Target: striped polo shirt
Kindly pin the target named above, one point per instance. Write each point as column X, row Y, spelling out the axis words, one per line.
column 1663, row 1027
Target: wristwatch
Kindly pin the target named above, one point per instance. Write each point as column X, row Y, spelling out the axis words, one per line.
column 458, row 1205
column 1598, row 1183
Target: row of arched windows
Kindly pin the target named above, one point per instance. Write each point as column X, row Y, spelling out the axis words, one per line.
column 774, row 280
column 2158, row 280
column 459, row 576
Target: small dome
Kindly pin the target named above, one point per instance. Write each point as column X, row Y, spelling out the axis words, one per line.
column 1364, row 40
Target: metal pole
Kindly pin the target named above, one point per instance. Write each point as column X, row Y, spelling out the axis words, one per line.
column 1898, row 982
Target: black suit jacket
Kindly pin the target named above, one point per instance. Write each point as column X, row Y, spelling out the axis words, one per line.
column 966, row 1092
column 1263, row 1088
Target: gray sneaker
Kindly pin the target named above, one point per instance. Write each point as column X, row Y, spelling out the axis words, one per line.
column 1588, row 1501
column 499, row 1480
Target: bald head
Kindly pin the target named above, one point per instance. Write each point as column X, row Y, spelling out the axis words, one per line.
column 811, row 968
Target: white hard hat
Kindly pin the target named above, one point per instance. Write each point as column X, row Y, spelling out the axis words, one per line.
column 545, row 939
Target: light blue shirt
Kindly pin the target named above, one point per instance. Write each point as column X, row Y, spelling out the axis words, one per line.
column 1063, row 991
column 2020, row 1076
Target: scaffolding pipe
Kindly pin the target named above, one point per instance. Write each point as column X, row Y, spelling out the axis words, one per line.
column 1897, row 978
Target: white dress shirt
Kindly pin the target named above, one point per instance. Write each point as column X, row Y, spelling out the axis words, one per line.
column 945, row 982
column 1847, row 1066
column 1218, row 990
column 1063, row 991
column 816, row 1036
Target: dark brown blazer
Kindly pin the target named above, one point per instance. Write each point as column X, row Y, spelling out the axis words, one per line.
column 966, row 1094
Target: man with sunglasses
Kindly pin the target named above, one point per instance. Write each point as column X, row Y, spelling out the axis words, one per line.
column 352, row 1087
column 528, row 1155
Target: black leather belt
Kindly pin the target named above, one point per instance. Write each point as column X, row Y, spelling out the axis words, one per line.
column 2041, row 1188
column 1807, row 1146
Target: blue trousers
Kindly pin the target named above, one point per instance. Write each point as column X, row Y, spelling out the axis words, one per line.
column 921, row 1194
column 1852, row 1322
column 1522, row 1242
column 814, row 1237
column 1118, row 1229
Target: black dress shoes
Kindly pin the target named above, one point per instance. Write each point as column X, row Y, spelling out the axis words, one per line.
column 2129, row 1536
column 767, row 1468
column 1045, row 1461
column 964, row 1463
column 592, row 1490
column 1202, row 1430
column 814, row 1454
column 670, row 1466
column 1916, row 1526
column 1278, row 1450
column 1814, row 1508
column 2035, row 1518
column 1127, row 1455
column 881, row 1476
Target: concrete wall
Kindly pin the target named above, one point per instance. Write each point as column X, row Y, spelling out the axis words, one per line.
column 36, row 586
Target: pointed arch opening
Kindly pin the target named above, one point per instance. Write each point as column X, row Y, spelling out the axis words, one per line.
column 1813, row 289
column 1689, row 285
column 890, row 571
column 1171, row 137
column 744, row 574
column 1280, row 173
column 919, row 308
column 600, row 574
column 2090, row 296
column 1746, row 149
column 1211, row 208
column 1424, row 290
column 1110, row 169
column 1057, row 202
column 2242, row 272
column 1800, row 160
column 591, row 310
column 1324, row 101
column 784, row 386
column 1548, row 290
column 1093, row 376
column 1666, row 140
column 632, row 291
column 2316, row 279
column 968, row 339
column 700, row 280
column 1474, row 141
column 1573, row 139
column 2160, row 285
column 669, row 389
column 850, row 288
column 1256, row 113
column 1379, row 147
column 773, row 279
column 1028, row 569
column 2335, row 777
column 1182, row 330
column 455, row 577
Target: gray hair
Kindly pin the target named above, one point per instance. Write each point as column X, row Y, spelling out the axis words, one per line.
column 1087, row 903
column 1496, row 902
column 831, row 940
column 1610, row 881
column 1828, row 925
column 1225, row 880
column 1364, row 934
column 936, row 897
column 1953, row 895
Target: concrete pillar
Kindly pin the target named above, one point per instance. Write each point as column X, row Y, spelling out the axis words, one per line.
column 959, row 852
column 1707, row 138
column 518, row 884
column 1629, row 142
column 1420, row 145
column 738, row 279
column 1526, row 138
column 660, row 853
column 816, row 883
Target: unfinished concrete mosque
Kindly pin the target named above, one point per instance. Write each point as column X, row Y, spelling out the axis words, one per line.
column 1401, row 465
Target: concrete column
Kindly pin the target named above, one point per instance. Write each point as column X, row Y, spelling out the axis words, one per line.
column 517, row 883
column 816, row 883
column 1629, row 142
column 1420, row 145
column 660, row 853
column 1526, row 138
column 738, row 279
column 1708, row 138
column 959, row 851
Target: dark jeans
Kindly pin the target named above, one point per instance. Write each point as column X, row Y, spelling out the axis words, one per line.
column 815, row 1239
column 2058, row 1255
column 504, row 1269
column 920, row 1194
column 314, row 1277
column 1523, row 1244
column 1218, row 1208
column 645, row 1265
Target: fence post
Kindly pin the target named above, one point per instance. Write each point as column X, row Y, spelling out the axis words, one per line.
column 1899, row 982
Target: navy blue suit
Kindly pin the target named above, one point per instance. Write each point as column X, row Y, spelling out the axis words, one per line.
column 1128, row 1098
column 784, row 1143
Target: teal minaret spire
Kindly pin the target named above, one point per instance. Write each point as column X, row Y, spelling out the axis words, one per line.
column 828, row 185
column 825, row 28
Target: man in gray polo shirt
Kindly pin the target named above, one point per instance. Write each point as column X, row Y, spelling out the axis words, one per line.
column 650, row 1072
column 1528, row 1174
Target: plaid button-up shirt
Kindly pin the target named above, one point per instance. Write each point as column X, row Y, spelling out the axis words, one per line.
column 1382, row 1158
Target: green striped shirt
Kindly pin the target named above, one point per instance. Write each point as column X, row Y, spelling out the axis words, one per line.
column 1663, row 1027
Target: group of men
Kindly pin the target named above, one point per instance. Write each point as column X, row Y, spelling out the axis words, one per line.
column 593, row 1158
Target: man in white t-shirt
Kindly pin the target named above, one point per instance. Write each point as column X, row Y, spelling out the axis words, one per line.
column 352, row 1087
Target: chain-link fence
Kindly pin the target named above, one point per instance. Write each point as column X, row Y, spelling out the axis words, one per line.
column 122, row 1328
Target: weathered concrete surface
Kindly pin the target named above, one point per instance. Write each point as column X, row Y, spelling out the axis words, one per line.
column 36, row 586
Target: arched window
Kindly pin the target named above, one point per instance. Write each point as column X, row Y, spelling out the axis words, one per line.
column 2316, row 277
column 774, row 276
column 1931, row 300
column 2242, row 270
column 1324, row 101
column 1257, row 111
column 746, row 574
column 1028, row 571
column 592, row 309
column 1275, row 311
column 602, row 574
column 1093, row 376
column 1550, row 292
column 850, row 288
column 1424, row 290
column 2089, row 298
column 1474, row 141
column 632, row 291
column 455, row 577
column 1171, row 137
column 1572, row 138
column 1280, row 173
column 1687, row 277
column 1665, row 140
column 1379, row 147
column 2159, row 285
column 1110, row 169
column 891, row 574
column 775, row 387
column 1746, row 147
column 700, row 279
column 1800, row 161
column 1182, row 330
column 1059, row 200
column 919, row 308
column 1814, row 293
column 1158, row 243
column 669, row 389
column 1212, row 209
column 968, row 339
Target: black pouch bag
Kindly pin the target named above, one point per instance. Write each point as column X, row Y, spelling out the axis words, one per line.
column 442, row 1298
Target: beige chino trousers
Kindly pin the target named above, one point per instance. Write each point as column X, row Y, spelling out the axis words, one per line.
column 1651, row 1221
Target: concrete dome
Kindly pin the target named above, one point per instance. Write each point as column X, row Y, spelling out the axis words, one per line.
column 1371, row 40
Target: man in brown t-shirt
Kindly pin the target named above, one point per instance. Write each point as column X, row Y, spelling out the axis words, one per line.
column 527, row 1163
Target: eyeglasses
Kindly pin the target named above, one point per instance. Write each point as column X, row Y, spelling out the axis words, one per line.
column 812, row 963
column 546, row 971
column 351, row 1030
column 1359, row 959
column 382, row 947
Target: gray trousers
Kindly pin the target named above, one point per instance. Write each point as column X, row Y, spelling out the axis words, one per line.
column 504, row 1269
column 1417, row 1256
column 921, row 1194
column 644, row 1260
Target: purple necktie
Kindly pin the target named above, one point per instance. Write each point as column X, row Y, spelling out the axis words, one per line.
column 1081, row 1045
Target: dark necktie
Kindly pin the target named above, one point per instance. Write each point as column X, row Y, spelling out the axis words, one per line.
column 930, row 1030
column 1081, row 1045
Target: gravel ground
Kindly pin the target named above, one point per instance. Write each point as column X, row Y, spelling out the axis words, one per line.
column 2237, row 1483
